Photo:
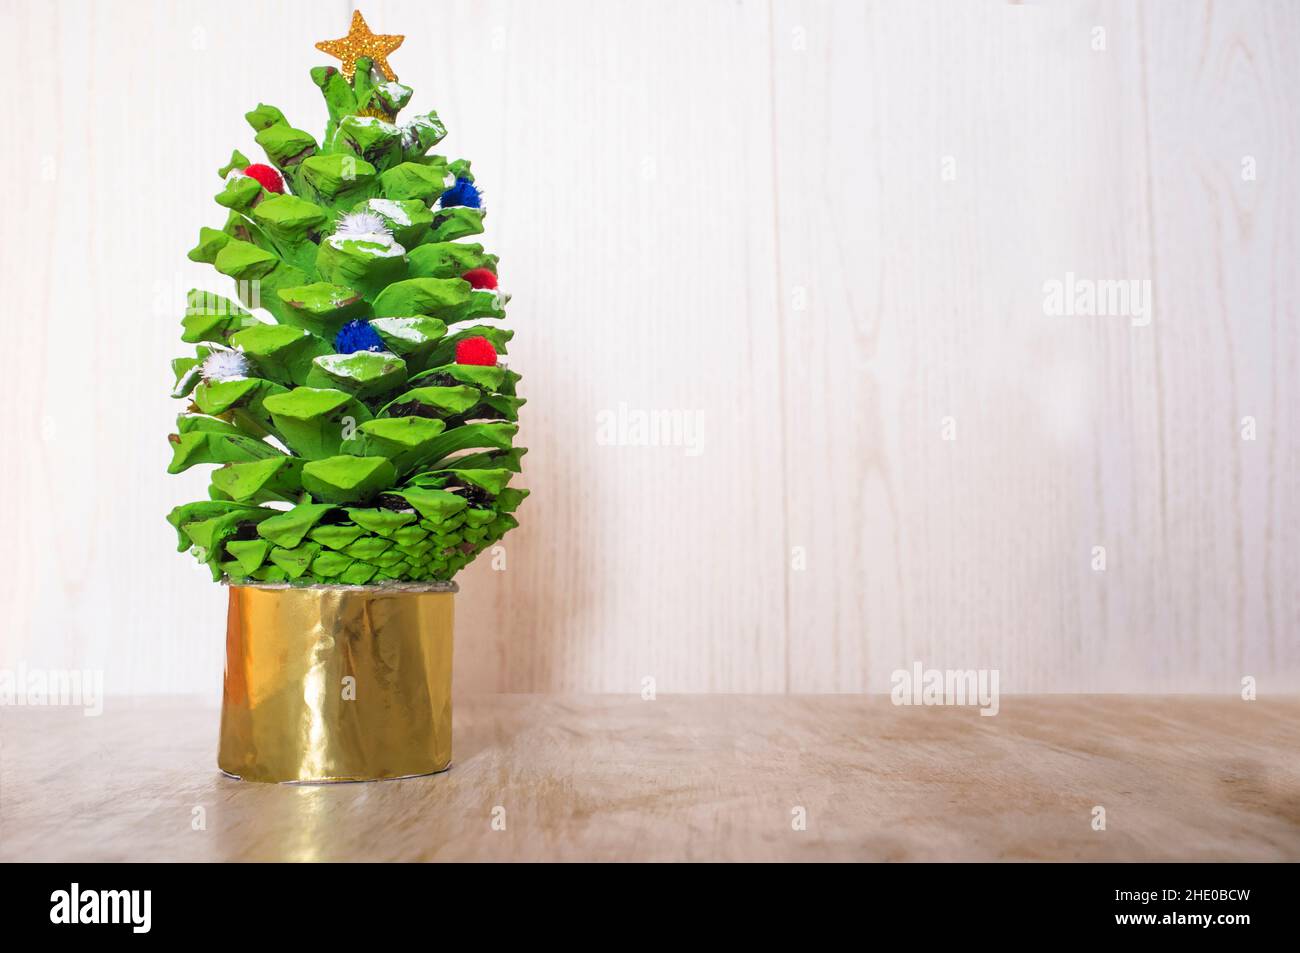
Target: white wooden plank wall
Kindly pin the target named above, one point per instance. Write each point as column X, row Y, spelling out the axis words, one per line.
column 822, row 227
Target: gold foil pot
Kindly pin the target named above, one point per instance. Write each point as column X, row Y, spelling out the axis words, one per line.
column 337, row 683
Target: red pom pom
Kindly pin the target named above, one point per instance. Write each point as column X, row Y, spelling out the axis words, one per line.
column 480, row 278
column 266, row 177
column 476, row 351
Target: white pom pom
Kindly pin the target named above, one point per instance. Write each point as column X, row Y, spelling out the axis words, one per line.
column 364, row 226
column 225, row 365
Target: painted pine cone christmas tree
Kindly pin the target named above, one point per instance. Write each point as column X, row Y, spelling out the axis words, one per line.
column 366, row 435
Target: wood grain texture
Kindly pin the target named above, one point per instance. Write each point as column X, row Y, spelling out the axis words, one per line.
column 687, row 778
column 735, row 208
column 924, row 301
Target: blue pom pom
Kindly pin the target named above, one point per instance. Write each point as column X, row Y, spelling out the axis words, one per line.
column 357, row 336
column 462, row 193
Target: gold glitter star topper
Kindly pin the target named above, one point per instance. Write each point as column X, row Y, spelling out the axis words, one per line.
column 361, row 42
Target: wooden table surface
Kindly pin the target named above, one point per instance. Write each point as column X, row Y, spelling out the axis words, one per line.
column 686, row 778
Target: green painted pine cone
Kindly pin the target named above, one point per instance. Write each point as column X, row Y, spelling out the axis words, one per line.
column 339, row 465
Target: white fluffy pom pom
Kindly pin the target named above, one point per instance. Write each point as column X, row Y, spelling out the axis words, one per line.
column 365, row 226
column 225, row 365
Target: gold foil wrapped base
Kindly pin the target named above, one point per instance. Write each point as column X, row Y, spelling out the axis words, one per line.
column 337, row 683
